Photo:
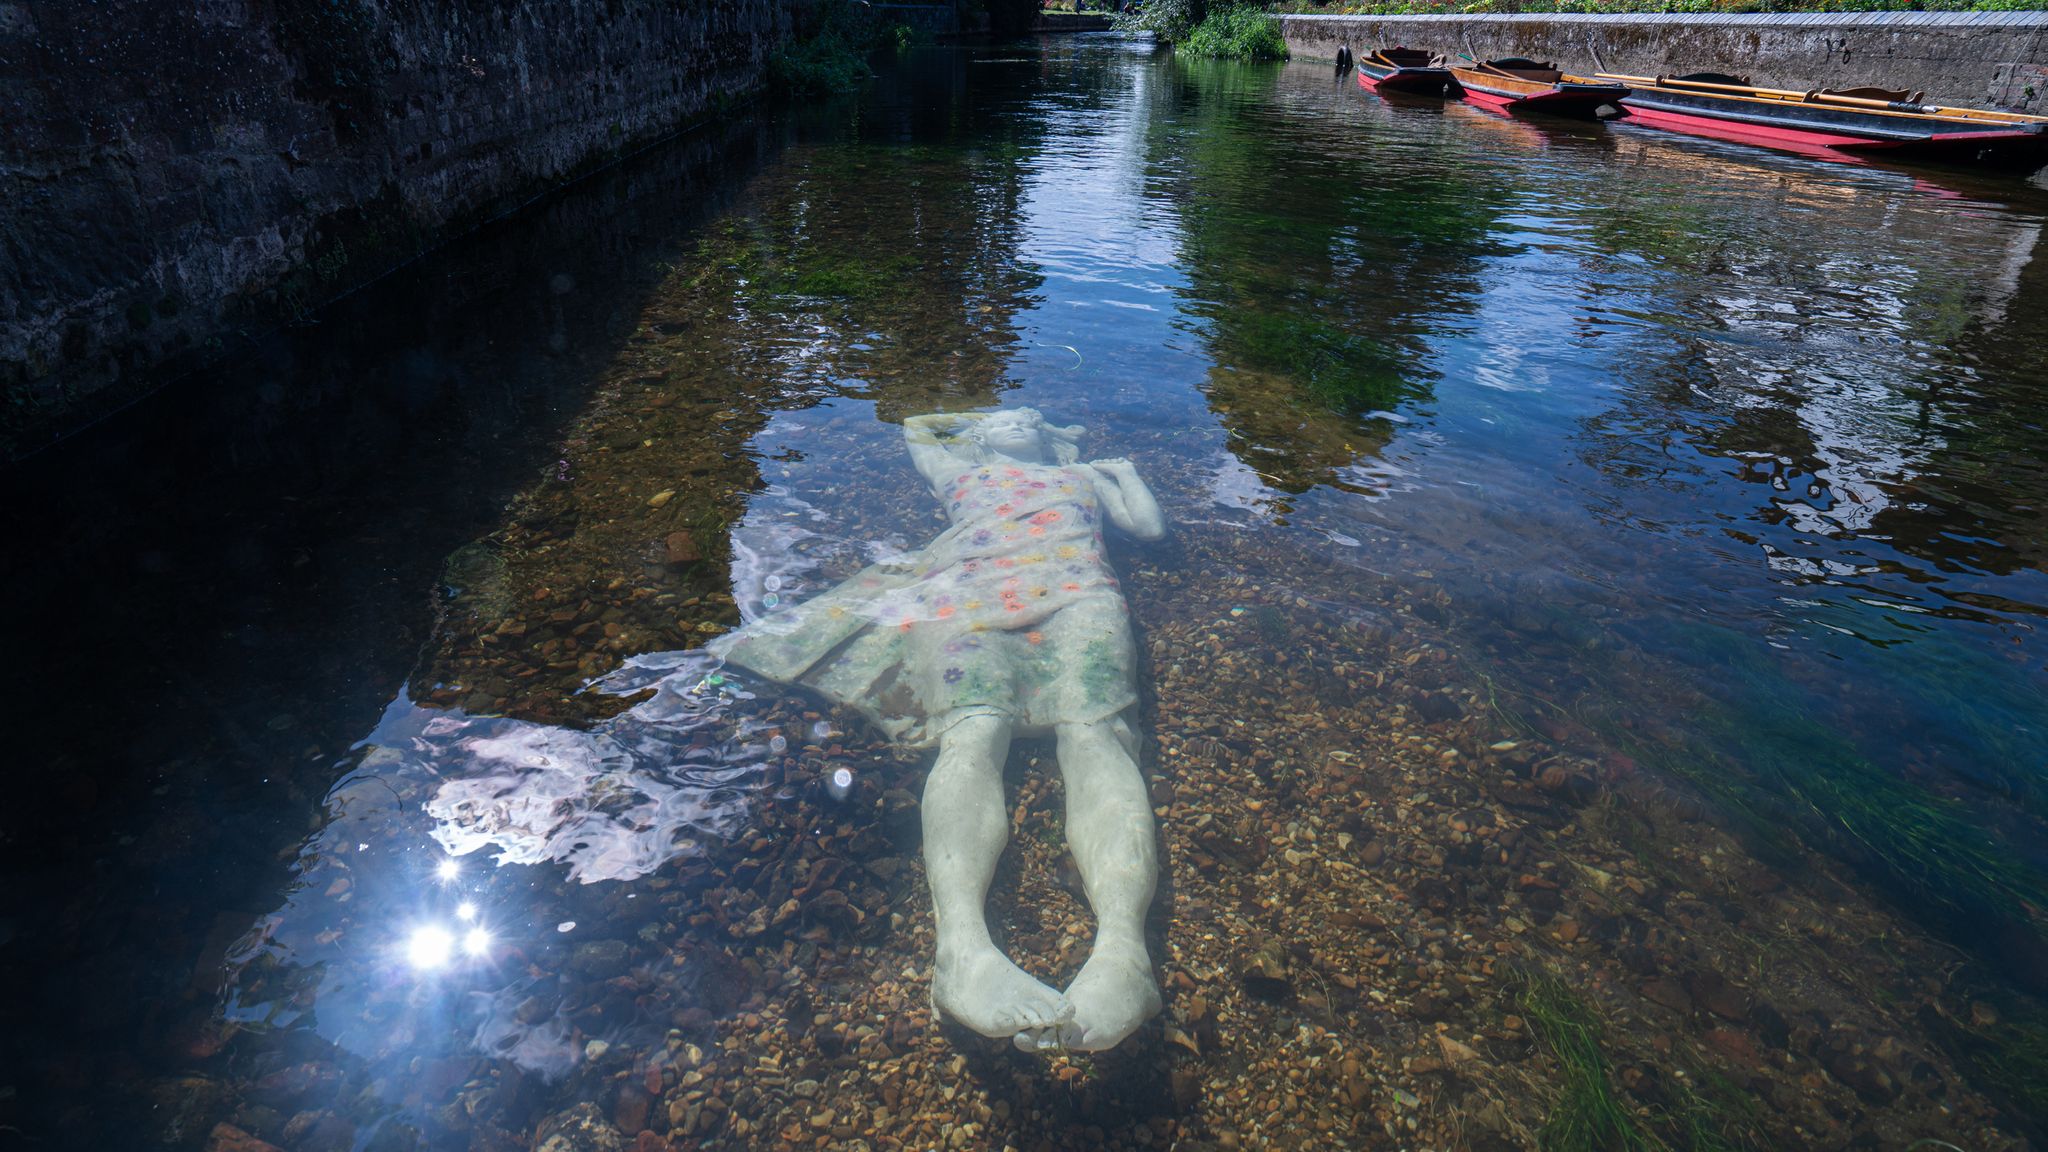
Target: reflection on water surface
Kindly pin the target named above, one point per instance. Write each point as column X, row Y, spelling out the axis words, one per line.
column 1592, row 685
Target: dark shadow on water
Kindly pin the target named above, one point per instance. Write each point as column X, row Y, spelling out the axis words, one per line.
column 214, row 593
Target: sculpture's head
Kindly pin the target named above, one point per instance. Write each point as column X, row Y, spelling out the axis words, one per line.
column 1023, row 434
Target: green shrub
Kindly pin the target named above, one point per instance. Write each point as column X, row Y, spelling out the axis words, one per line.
column 1239, row 32
column 833, row 58
column 1170, row 20
column 817, row 67
column 902, row 37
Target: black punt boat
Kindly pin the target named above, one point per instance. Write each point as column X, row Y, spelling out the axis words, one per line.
column 1404, row 70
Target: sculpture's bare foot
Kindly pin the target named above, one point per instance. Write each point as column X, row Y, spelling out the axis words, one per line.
column 1112, row 996
column 980, row 988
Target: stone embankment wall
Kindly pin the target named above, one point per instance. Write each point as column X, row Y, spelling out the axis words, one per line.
column 1072, row 22
column 1984, row 59
column 927, row 18
column 172, row 171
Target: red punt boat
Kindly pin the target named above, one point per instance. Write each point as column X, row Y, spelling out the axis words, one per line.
column 1516, row 84
column 1404, row 70
column 1857, row 121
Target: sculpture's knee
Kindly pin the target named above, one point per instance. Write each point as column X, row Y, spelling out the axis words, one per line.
column 978, row 737
column 1099, row 741
column 1126, row 737
column 1105, row 789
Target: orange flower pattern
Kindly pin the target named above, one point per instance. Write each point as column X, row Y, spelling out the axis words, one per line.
column 1012, row 610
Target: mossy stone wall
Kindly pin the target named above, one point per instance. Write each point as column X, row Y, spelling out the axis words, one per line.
column 176, row 172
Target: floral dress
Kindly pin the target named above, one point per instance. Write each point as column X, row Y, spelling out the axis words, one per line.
column 1012, row 611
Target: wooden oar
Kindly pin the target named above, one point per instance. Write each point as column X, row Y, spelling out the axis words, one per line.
column 1820, row 97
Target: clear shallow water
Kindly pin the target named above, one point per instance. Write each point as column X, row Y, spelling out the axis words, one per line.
column 1599, row 559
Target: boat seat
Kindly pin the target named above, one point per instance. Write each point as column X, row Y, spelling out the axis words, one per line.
column 1405, row 57
column 1871, row 92
column 1538, row 70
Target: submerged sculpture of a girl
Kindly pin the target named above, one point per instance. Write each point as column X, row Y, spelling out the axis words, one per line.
column 1009, row 623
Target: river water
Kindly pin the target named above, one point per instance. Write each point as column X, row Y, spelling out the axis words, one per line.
column 1591, row 691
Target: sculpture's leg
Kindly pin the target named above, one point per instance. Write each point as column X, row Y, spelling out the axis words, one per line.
column 1109, row 826
column 965, row 829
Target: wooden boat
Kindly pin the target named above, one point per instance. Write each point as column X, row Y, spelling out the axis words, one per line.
column 1516, row 84
column 1403, row 70
column 1857, row 121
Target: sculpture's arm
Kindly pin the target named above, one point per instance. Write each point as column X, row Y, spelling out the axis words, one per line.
column 930, row 441
column 1130, row 504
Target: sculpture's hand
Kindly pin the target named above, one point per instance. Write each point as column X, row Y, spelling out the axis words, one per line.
column 928, row 429
column 1124, row 496
column 930, row 439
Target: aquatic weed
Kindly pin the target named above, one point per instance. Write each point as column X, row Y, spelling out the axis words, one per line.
column 1587, row 1116
column 1272, row 625
column 1788, row 772
column 2008, row 1054
column 1786, row 782
column 1714, row 1114
column 1508, row 716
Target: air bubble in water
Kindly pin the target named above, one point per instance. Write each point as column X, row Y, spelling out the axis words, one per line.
column 770, row 600
column 772, row 583
column 777, row 744
column 821, row 730
column 840, row 782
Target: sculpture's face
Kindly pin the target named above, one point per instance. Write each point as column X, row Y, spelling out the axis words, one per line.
column 1016, row 435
